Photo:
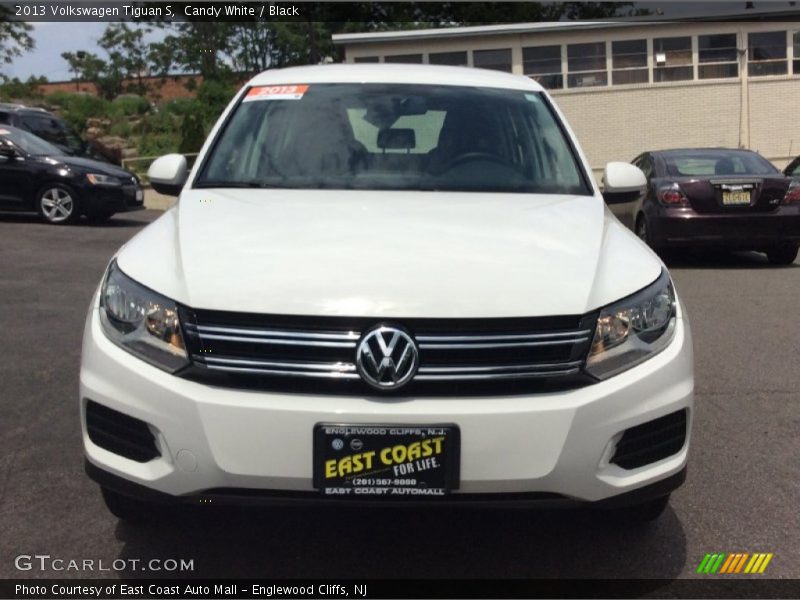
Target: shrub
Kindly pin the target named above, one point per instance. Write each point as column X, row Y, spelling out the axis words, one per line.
column 129, row 105
column 75, row 108
column 192, row 134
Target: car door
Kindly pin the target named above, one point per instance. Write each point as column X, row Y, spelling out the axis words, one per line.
column 15, row 181
column 793, row 170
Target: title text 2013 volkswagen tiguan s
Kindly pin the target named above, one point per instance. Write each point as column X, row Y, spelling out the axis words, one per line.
column 388, row 284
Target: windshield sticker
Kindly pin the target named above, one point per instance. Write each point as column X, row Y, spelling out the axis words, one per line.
column 276, row 92
column 4, row 132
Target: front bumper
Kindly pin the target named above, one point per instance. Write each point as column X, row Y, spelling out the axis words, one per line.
column 257, row 442
column 99, row 199
column 671, row 226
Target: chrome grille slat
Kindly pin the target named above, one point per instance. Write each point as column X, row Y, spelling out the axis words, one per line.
column 489, row 376
column 499, row 368
column 278, row 341
column 511, row 344
column 493, row 338
column 282, row 372
column 296, row 366
column 277, row 333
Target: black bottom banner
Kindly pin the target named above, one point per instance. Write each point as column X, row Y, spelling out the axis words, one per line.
column 139, row 589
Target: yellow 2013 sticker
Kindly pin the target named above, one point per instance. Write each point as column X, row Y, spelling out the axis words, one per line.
column 276, row 92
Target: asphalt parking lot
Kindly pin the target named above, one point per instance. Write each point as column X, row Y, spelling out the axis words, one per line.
column 741, row 494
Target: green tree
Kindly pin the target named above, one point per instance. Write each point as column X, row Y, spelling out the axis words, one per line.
column 128, row 56
column 15, row 38
column 85, row 66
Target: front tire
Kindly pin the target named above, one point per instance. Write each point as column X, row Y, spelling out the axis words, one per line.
column 99, row 217
column 639, row 515
column 129, row 509
column 783, row 255
column 57, row 204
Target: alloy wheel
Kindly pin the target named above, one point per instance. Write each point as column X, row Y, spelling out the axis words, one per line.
column 57, row 205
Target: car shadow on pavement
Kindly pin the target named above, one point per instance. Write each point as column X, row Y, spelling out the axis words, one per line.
column 717, row 259
column 33, row 218
column 410, row 544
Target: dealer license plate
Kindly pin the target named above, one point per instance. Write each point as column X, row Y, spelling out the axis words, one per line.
column 735, row 197
column 392, row 461
column 139, row 195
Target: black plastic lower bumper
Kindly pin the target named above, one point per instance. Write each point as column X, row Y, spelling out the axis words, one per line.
column 253, row 497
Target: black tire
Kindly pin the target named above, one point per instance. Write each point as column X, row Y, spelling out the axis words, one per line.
column 99, row 217
column 57, row 204
column 642, row 230
column 126, row 508
column 640, row 514
column 785, row 254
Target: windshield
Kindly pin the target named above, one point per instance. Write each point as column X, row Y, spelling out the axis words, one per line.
column 718, row 163
column 29, row 143
column 394, row 137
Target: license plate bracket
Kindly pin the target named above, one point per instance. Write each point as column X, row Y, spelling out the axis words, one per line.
column 386, row 460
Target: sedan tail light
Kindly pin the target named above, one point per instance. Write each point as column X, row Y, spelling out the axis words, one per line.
column 793, row 193
column 672, row 195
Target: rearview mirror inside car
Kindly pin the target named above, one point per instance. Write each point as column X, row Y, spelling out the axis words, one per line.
column 623, row 182
column 168, row 174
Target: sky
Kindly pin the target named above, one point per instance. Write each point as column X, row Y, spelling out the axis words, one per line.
column 54, row 38
column 51, row 40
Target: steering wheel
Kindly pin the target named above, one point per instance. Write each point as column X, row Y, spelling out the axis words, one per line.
column 472, row 156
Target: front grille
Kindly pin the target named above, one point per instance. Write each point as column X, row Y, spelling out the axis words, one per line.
column 262, row 349
column 120, row 433
column 652, row 441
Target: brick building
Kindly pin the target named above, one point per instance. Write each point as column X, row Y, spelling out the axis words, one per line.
column 159, row 88
column 635, row 85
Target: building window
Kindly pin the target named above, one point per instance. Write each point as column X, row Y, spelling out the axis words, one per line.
column 672, row 59
column 629, row 62
column 365, row 59
column 718, row 56
column 454, row 59
column 499, row 60
column 543, row 65
column 586, row 65
column 796, row 53
column 404, row 58
column 766, row 53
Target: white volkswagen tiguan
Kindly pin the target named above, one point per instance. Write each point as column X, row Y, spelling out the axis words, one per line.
column 388, row 284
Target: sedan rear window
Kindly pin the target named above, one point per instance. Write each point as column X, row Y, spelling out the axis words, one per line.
column 394, row 137
column 718, row 163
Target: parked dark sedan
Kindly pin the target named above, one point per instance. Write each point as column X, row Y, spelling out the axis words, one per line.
column 37, row 176
column 730, row 199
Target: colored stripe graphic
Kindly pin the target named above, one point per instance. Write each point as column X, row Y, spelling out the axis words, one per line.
column 727, row 564
column 703, row 563
column 733, row 563
column 764, row 564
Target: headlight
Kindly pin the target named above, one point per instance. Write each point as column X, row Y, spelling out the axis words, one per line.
column 633, row 329
column 107, row 180
column 141, row 321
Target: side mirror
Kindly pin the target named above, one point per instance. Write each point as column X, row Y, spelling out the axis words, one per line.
column 7, row 152
column 168, row 174
column 622, row 182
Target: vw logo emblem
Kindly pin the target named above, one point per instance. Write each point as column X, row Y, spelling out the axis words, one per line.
column 387, row 357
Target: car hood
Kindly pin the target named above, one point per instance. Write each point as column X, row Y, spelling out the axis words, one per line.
column 87, row 165
column 389, row 254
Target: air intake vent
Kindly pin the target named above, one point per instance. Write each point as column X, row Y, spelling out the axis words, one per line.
column 119, row 433
column 648, row 443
